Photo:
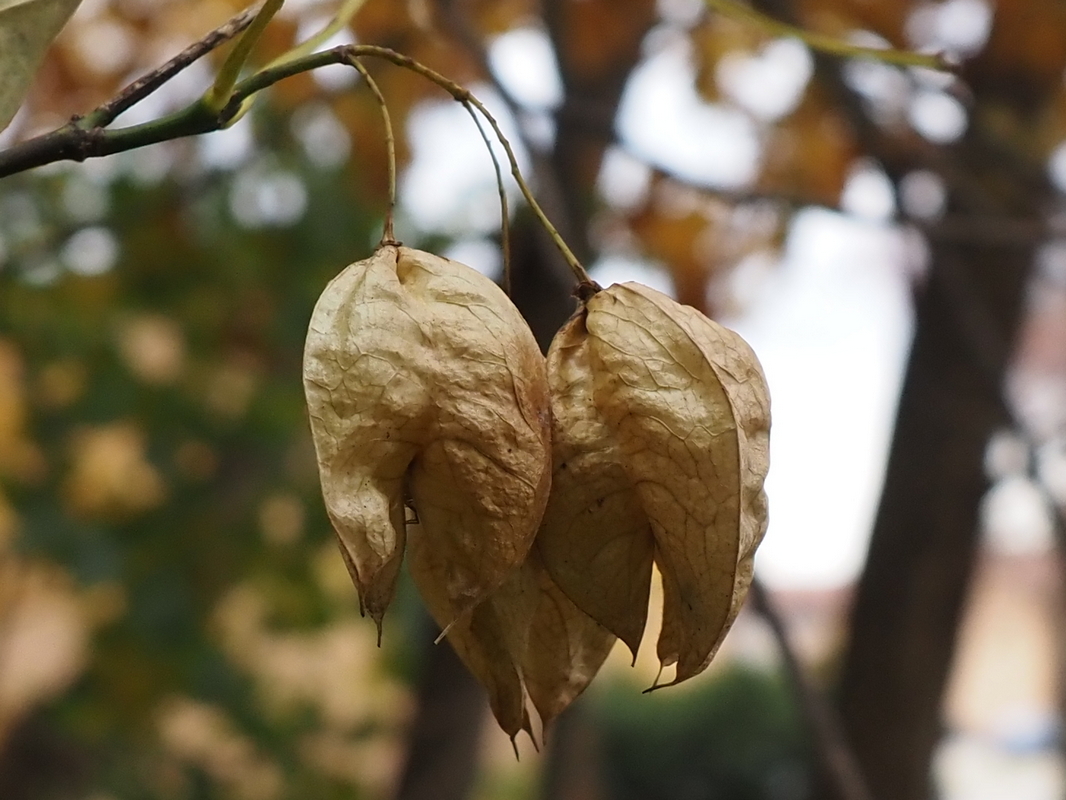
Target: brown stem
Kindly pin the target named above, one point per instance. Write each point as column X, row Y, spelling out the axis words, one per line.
column 830, row 743
column 388, row 236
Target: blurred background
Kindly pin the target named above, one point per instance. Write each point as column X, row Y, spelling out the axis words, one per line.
column 175, row 621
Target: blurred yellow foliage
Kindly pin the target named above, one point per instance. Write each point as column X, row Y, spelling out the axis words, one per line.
column 19, row 456
column 43, row 636
column 152, row 346
column 110, row 475
column 202, row 735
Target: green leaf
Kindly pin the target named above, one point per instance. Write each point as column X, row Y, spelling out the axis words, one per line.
column 27, row 27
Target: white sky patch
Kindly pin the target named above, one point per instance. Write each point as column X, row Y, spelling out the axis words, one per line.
column 868, row 193
column 623, row 180
column 324, row 139
column 683, row 13
column 663, row 119
column 83, row 199
column 937, row 116
column 958, row 26
column 148, row 166
column 524, row 62
column 832, row 331
column 264, row 197
column 450, row 184
column 619, row 269
column 1016, row 518
column 1006, row 454
column 105, row 46
column 923, row 194
column 90, row 251
column 1057, row 167
column 334, row 77
column 770, row 83
column 1051, row 468
column 480, row 254
column 228, row 148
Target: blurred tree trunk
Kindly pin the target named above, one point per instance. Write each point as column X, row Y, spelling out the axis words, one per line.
column 912, row 590
column 909, row 601
column 38, row 761
column 574, row 768
column 443, row 744
column 911, row 594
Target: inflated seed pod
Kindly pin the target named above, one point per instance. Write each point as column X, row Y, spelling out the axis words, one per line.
column 661, row 447
column 427, row 397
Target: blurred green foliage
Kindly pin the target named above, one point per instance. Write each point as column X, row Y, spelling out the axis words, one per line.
column 735, row 736
column 172, row 471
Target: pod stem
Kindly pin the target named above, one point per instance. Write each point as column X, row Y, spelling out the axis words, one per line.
column 505, row 216
column 388, row 235
column 464, row 96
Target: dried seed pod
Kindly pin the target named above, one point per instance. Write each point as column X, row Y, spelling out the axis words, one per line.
column 484, row 641
column 661, row 450
column 425, row 386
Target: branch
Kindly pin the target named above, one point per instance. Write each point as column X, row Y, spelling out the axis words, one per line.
column 146, row 85
column 72, row 142
column 77, row 141
column 832, row 747
column 829, row 44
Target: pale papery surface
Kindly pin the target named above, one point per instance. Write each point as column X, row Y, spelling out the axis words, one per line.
column 666, row 416
column 427, row 396
column 594, row 524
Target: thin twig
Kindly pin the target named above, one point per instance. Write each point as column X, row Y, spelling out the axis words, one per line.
column 549, row 179
column 505, row 214
column 831, row 744
column 388, row 235
column 585, row 283
column 74, row 143
column 104, row 115
column 829, row 44
column 463, row 95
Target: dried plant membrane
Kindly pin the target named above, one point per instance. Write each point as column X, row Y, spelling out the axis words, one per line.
column 594, row 524
column 680, row 405
column 425, row 387
column 563, row 647
column 527, row 640
column 27, row 28
column 479, row 636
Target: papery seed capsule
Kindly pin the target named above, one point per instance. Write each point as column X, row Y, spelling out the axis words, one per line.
column 424, row 383
column 661, row 450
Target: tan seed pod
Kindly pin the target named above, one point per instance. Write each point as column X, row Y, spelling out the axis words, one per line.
column 425, row 387
column 484, row 640
column 661, row 450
